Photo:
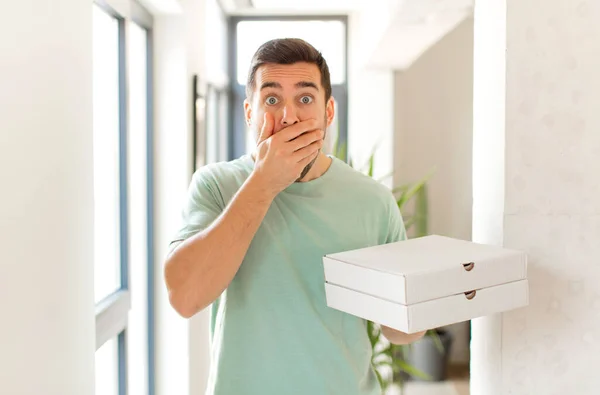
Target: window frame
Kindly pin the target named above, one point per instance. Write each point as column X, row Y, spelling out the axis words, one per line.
column 236, row 128
column 112, row 312
column 145, row 20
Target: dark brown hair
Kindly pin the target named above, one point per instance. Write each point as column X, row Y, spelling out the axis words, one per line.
column 288, row 51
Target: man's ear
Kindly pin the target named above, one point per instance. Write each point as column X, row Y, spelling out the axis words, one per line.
column 248, row 112
column 330, row 111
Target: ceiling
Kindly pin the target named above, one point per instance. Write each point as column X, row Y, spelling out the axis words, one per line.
column 310, row 7
column 416, row 26
column 392, row 33
column 342, row 5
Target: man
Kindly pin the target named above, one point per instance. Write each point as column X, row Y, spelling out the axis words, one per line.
column 254, row 234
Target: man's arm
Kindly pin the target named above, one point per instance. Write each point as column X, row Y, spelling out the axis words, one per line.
column 199, row 269
column 398, row 337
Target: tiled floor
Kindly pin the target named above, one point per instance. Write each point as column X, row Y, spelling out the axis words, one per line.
column 458, row 384
column 459, row 377
column 461, row 387
column 440, row 388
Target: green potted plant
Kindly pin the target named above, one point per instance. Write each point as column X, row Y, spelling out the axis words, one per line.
column 394, row 364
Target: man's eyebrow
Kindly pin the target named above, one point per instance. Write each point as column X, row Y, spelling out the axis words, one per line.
column 301, row 84
column 270, row 84
column 307, row 84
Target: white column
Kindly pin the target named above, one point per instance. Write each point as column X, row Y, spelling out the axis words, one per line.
column 551, row 210
column 489, row 69
column 47, row 339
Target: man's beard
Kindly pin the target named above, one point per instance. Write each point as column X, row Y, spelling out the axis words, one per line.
column 312, row 162
column 307, row 169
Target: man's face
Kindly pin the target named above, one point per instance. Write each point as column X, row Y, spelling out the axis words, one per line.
column 291, row 93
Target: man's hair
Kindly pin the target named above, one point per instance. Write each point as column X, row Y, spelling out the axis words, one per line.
column 288, row 51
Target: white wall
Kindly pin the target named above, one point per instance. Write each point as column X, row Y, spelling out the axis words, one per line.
column 370, row 104
column 215, row 41
column 433, row 132
column 193, row 42
column 172, row 174
column 433, row 129
column 206, row 27
column 47, row 340
column 552, row 210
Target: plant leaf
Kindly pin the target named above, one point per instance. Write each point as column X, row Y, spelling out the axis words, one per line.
column 401, row 188
column 421, row 213
column 383, row 363
column 413, row 190
column 368, row 167
column 340, row 151
column 411, row 370
column 343, row 152
column 435, row 337
column 372, row 335
column 400, row 350
column 371, row 165
column 379, row 378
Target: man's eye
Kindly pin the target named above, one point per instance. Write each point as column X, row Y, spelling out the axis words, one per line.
column 271, row 100
column 306, row 99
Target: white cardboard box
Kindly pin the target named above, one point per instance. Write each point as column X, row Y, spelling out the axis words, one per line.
column 427, row 282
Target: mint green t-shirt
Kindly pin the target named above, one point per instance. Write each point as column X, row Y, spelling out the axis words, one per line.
column 272, row 332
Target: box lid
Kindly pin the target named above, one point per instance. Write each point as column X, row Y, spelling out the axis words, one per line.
column 424, row 268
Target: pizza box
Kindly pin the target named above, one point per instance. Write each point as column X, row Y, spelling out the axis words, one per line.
column 426, row 282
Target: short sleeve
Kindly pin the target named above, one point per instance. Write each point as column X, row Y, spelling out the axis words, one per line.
column 396, row 230
column 201, row 208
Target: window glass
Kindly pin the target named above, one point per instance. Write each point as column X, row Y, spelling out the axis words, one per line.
column 107, row 368
column 106, row 126
column 326, row 36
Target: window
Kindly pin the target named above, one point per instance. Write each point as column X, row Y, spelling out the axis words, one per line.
column 326, row 34
column 210, row 124
column 139, row 182
column 123, row 261
column 107, row 368
column 107, row 160
column 216, row 126
column 329, row 37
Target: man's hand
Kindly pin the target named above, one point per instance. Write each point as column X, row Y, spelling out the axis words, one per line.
column 281, row 157
column 398, row 337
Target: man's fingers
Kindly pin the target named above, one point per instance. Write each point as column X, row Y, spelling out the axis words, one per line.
column 267, row 128
column 306, row 139
column 308, row 151
column 297, row 129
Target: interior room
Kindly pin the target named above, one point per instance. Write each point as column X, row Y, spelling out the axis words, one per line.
column 478, row 117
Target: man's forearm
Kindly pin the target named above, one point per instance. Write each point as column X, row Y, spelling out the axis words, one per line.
column 202, row 267
column 398, row 337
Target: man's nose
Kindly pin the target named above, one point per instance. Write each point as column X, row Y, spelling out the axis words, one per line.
column 289, row 116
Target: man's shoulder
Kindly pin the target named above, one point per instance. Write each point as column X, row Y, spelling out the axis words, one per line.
column 224, row 174
column 372, row 199
column 363, row 184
